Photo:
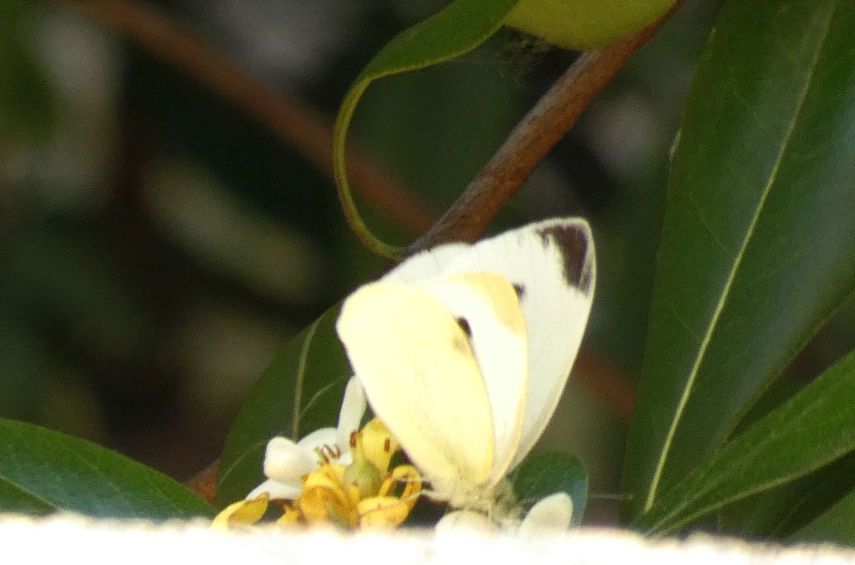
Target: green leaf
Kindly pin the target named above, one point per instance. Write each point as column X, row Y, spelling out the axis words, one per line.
column 837, row 525
column 14, row 499
column 779, row 512
column 28, row 104
column 459, row 28
column 809, row 431
column 544, row 474
column 298, row 393
column 758, row 244
column 43, row 471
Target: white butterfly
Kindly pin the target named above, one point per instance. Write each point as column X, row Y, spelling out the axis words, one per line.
column 464, row 350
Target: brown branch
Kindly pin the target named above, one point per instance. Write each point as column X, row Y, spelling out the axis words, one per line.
column 531, row 140
column 292, row 120
column 204, row 483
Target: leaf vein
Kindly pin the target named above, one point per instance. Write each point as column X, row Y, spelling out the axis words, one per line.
column 719, row 307
column 300, row 379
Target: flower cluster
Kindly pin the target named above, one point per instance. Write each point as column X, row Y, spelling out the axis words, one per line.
column 325, row 478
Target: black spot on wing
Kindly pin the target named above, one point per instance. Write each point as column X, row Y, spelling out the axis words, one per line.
column 519, row 289
column 572, row 243
column 464, row 325
column 463, row 346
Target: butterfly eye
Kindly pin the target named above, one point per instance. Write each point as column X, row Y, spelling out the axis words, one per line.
column 464, row 325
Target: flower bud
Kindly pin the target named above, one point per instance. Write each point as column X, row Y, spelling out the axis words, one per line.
column 580, row 25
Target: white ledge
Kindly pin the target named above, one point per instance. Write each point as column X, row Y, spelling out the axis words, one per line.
column 61, row 539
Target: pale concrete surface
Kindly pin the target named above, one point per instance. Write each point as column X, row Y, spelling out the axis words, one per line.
column 71, row 539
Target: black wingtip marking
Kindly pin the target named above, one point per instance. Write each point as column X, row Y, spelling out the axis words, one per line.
column 573, row 245
column 519, row 289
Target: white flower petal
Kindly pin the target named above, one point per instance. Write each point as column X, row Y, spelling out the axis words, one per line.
column 319, row 438
column 286, row 461
column 352, row 409
column 277, row 490
column 550, row 515
column 322, row 440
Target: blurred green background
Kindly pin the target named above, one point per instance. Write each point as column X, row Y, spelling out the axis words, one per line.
column 158, row 244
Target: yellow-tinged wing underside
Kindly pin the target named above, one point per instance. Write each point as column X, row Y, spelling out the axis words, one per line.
column 410, row 346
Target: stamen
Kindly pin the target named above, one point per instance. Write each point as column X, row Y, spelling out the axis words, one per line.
column 328, row 453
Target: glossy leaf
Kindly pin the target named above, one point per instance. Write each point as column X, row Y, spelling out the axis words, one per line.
column 43, row 471
column 758, row 244
column 809, row 431
column 298, row 393
column 548, row 473
column 459, row 28
column 837, row 525
column 782, row 511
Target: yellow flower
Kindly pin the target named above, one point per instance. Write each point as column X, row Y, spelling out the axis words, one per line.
column 242, row 512
column 363, row 493
column 250, row 511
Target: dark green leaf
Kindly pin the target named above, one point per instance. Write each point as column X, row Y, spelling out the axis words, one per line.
column 15, row 499
column 812, row 429
column 298, row 393
column 26, row 366
column 837, row 525
column 42, row 471
column 459, row 28
column 27, row 100
column 781, row 511
column 758, row 244
column 548, row 473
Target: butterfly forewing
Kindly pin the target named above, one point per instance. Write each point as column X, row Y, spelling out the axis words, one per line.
column 421, row 379
column 427, row 264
